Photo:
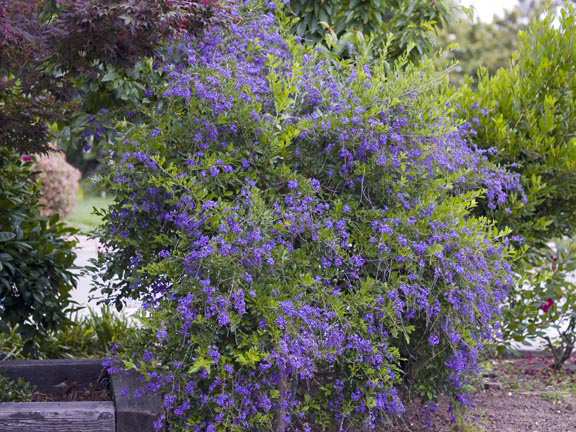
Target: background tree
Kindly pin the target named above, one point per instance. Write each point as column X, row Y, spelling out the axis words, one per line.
column 47, row 49
column 527, row 112
column 410, row 21
column 487, row 45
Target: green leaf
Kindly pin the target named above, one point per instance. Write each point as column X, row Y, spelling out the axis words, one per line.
column 5, row 236
column 199, row 364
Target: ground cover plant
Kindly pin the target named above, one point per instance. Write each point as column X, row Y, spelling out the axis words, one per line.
column 536, row 375
column 88, row 336
column 15, row 391
column 301, row 232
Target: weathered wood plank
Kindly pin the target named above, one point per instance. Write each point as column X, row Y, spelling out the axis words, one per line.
column 134, row 414
column 57, row 417
column 50, row 375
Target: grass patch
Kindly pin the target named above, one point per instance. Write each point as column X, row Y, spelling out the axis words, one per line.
column 84, row 218
column 553, row 396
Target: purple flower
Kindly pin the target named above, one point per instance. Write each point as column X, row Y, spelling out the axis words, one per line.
column 315, row 184
column 161, row 335
column 214, row 353
column 357, row 261
column 248, row 277
column 433, row 339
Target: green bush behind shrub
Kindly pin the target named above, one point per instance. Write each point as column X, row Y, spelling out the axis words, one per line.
column 530, row 117
column 36, row 256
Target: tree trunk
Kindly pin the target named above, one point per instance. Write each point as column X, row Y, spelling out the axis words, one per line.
column 280, row 424
column 560, row 360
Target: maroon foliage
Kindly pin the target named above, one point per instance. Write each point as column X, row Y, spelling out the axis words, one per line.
column 45, row 45
column 119, row 31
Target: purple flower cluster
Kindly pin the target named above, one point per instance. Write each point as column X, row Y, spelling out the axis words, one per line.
column 299, row 251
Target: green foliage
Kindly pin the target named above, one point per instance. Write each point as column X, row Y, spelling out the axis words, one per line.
column 412, row 23
column 302, row 232
column 88, row 336
column 484, row 45
column 531, row 120
column 544, row 302
column 35, row 256
column 11, row 344
column 110, row 98
column 528, row 113
column 15, row 391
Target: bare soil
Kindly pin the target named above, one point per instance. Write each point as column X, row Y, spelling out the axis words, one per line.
column 523, row 395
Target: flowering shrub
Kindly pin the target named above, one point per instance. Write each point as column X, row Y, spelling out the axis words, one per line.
column 58, row 184
column 301, row 234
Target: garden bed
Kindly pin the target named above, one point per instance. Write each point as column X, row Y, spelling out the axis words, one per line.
column 63, row 392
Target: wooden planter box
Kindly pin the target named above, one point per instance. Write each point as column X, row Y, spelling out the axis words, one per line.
column 123, row 414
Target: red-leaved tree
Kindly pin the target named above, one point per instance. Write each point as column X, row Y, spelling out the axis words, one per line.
column 46, row 44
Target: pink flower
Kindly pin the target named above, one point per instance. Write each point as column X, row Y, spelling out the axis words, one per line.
column 26, row 158
column 549, row 303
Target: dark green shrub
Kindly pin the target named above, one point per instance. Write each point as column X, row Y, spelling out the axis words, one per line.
column 36, row 256
column 409, row 22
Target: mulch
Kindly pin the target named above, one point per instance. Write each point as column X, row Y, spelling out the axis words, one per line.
column 73, row 392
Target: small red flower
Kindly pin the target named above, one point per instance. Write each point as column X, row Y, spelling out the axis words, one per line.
column 26, row 158
column 549, row 303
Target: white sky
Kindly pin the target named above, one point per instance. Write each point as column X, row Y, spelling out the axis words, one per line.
column 485, row 9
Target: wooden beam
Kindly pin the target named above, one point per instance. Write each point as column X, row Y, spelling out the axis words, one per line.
column 57, row 417
column 50, row 376
column 134, row 414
